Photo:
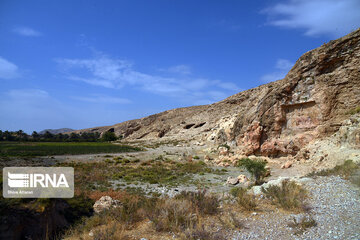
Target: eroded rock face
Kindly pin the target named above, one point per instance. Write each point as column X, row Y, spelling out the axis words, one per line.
column 250, row 142
column 275, row 119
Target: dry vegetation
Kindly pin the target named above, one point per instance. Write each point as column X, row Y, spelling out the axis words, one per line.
column 348, row 170
column 289, row 196
column 300, row 226
column 189, row 215
column 245, row 200
column 182, row 215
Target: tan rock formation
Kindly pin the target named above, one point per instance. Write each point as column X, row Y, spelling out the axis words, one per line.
column 275, row 119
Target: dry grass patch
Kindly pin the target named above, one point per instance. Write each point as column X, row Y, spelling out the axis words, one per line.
column 348, row 170
column 303, row 224
column 230, row 222
column 172, row 215
column 345, row 170
column 201, row 201
column 245, row 200
column 289, row 196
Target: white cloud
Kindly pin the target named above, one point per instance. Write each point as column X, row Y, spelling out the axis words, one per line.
column 115, row 73
column 8, row 70
column 25, row 94
column 317, row 17
column 104, row 99
column 282, row 67
column 27, row 32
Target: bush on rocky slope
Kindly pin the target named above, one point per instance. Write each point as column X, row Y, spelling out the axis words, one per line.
column 289, row 195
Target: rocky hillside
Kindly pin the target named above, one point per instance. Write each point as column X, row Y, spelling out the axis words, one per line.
column 56, row 131
column 274, row 119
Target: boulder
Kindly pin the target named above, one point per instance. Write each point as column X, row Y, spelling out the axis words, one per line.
column 232, row 181
column 242, row 178
column 256, row 190
column 104, row 203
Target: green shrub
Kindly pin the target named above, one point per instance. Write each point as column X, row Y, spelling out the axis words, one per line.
column 255, row 167
column 109, row 136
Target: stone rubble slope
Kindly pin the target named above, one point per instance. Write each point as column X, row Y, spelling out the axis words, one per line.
column 335, row 206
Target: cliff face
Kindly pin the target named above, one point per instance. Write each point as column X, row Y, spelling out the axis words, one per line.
column 275, row 119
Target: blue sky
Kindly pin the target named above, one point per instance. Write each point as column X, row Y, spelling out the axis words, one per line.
column 81, row 64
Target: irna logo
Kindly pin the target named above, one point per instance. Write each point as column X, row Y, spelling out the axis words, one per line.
column 33, row 180
column 38, row 182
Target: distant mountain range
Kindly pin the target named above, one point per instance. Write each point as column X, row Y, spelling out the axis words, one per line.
column 56, row 131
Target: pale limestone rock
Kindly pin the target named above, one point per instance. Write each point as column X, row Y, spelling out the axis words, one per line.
column 223, row 151
column 286, row 165
column 104, row 203
column 242, row 178
column 232, row 181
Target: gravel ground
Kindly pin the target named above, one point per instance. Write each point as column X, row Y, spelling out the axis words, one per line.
column 335, row 207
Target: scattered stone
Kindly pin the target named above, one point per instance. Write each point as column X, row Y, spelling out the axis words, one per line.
column 223, row 151
column 286, row 165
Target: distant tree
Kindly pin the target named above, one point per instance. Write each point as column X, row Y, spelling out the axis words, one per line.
column 8, row 136
column 74, row 137
column 109, row 136
column 48, row 136
column 35, row 136
column 20, row 135
column 59, row 137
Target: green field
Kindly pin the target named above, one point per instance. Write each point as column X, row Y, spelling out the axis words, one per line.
column 60, row 148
